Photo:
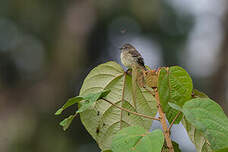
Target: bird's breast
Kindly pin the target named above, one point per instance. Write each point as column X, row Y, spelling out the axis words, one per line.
column 127, row 59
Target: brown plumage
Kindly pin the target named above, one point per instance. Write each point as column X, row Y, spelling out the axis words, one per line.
column 130, row 56
column 132, row 59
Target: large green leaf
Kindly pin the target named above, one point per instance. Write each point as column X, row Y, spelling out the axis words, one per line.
column 196, row 137
column 137, row 139
column 209, row 120
column 180, row 85
column 163, row 88
column 222, row 150
column 175, row 86
column 105, row 120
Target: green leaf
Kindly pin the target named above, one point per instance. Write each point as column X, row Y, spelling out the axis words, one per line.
column 197, row 94
column 222, row 150
column 174, row 106
column 91, row 99
column 208, row 117
column 104, row 120
column 163, row 88
column 135, row 139
column 180, row 85
column 85, row 106
column 69, row 103
column 196, row 137
column 175, row 86
column 66, row 122
column 175, row 147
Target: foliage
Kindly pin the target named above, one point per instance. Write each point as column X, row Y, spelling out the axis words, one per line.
column 197, row 138
column 110, row 120
column 88, row 101
column 175, row 86
column 118, row 113
column 208, row 118
column 137, row 139
column 175, row 146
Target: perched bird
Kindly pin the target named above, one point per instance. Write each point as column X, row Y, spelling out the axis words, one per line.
column 131, row 57
column 133, row 60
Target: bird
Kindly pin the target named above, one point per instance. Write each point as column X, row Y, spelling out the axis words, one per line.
column 134, row 61
column 131, row 57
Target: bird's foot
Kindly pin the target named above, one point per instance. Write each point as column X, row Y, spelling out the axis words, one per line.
column 129, row 72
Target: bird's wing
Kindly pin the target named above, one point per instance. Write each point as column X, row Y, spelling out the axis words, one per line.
column 135, row 53
column 141, row 61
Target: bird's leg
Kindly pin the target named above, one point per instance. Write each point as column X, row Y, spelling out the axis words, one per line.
column 129, row 71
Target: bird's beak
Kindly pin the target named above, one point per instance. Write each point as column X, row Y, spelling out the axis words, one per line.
column 121, row 48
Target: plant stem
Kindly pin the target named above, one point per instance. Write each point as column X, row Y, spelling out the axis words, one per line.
column 135, row 113
column 122, row 100
column 173, row 121
column 164, row 124
column 134, row 84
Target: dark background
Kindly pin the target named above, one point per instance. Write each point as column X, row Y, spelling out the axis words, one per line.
column 47, row 47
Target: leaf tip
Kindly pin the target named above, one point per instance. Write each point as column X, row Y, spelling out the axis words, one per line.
column 66, row 122
column 58, row 112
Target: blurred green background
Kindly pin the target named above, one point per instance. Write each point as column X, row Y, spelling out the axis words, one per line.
column 47, row 47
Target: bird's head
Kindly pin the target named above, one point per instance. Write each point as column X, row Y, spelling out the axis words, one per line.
column 127, row 47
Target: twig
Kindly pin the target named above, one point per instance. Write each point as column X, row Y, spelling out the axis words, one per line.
column 122, row 100
column 135, row 113
column 134, row 84
column 163, row 121
column 173, row 121
column 164, row 124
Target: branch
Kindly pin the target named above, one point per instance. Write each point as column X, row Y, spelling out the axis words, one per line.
column 173, row 121
column 163, row 121
column 164, row 124
column 134, row 84
column 135, row 113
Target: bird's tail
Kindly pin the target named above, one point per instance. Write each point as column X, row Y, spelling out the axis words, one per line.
column 144, row 67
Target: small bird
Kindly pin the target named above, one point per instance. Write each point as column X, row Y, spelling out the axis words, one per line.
column 131, row 57
column 133, row 60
